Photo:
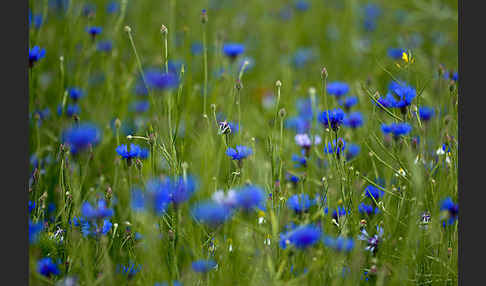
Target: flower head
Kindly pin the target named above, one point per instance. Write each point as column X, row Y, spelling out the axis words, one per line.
column 75, row 93
column 160, row 80
column 232, row 50
column 239, row 153
column 100, row 211
column 349, row 102
column 451, row 208
column 353, row 120
column 299, row 203
column 104, row 46
column 80, row 137
column 352, row 151
column 35, row 54
column 301, row 237
column 397, row 129
column 334, row 147
column 211, row 213
column 134, row 152
column 94, row 30
column 337, row 88
column 304, row 141
column 333, row 118
column 374, row 192
column 426, row 113
column 203, row 265
column 47, row 267
column 339, row 243
column 396, row 53
column 367, row 209
column 250, row 197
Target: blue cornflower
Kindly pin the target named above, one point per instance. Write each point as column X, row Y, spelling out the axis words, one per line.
column 302, row 57
column 75, row 93
column 129, row 270
column 338, row 212
column 88, row 9
column 349, row 102
column 31, row 206
column 299, row 203
column 140, row 106
column 232, row 50
column 451, row 208
column 300, row 160
column 301, row 5
column 37, row 20
column 426, row 113
column 47, row 267
column 301, row 237
column 372, row 241
column 352, row 151
column 100, row 211
column 35, row 54
column 41, row 115
column 196, row 48
column 34, row 231
column 250, row 197
column 156, row 198
column 91, row 228
column 94, row 30
column 404, row 93
column 211, row 213
column 298, row 123
column 305, row 108
column 104, row 46
column 292, row 178
column 396, row 53
column 367, row 209
column 112, row 7
column 374, row 192
column 386, row 101
column 371, row 12
column 181, row 188
column 335, row 117
column 128, row 154
column 397, row 129
column 161, row 80
column 339, row 243
column 239, row 153
column 335, row 148
column 71, row 110
column 337, row 88
column 353, row 120
column 79, row 137
column 203, row 265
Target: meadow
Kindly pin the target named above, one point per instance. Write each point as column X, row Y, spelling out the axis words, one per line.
column 243, row 142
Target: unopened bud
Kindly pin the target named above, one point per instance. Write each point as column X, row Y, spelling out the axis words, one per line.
column 128, row 29
column 117, row 123
column 324, row 73
column 282, row 113
column 164, row 30
column 204, row 16
column 278, row 83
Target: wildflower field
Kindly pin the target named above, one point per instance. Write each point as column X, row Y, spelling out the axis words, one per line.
column 243, row 142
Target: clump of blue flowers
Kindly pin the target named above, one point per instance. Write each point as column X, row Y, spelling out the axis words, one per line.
column 450, row 209
column 299, row 203
column 211, row 213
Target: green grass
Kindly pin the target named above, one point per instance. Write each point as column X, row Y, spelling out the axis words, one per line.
column 183, row 141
